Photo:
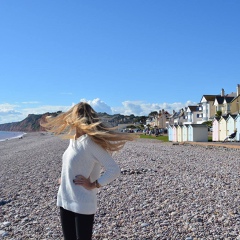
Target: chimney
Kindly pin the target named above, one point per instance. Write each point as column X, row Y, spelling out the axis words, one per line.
column 222, row 93
column 238, row 89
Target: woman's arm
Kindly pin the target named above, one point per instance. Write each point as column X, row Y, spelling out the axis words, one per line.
column 85, row 182
column 112, row 170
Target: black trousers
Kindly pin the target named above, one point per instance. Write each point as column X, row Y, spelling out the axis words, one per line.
column 76, row 226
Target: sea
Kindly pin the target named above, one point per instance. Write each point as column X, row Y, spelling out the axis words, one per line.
column 8, row 135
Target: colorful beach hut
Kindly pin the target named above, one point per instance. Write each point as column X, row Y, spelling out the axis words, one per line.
column 170, row 133
column 231, row 124
column 223, row 128
column 198, row 133
column 185, row 132
column 179, row 133
column 174, row 129
column 215, row 129
column 237, row 125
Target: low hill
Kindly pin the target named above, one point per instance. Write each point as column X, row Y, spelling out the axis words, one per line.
column 30, row 124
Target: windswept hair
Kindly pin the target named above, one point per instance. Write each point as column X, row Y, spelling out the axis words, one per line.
column 82, row 117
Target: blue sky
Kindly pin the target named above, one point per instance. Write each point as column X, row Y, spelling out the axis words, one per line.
column 122, row 56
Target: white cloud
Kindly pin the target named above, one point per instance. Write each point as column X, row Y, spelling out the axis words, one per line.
column 140, row 108
column 8, row 113
column 98, row 105
column 7, row 107
column 15, row 113
column 44, row 109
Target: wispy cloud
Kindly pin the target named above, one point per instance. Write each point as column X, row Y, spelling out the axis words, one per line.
column 31, row 102
column 44, row 109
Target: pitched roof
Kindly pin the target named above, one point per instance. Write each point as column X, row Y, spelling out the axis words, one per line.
column 216, row 118
column 232, row 115
column 225, row 117
column 237, row 97
column 211, row 97
column 193, row 108
column 229, row 99
column 220, row 99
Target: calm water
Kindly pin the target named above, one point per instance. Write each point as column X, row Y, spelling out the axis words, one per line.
column 7, row 135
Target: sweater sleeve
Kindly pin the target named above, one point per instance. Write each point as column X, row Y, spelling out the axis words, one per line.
column 112, row 170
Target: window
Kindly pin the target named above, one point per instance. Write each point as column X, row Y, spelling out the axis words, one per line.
column 228, row 107
column 199, row 115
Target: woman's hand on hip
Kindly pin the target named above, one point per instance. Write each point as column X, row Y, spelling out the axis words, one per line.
column 85, row 182
column 59, row 181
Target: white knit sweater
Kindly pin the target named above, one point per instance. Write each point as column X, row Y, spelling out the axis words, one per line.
column 84, row 157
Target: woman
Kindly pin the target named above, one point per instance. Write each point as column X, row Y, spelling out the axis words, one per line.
column 90, row 148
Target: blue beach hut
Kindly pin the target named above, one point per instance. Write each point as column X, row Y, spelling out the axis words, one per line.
column 170, row 133
column 231, row 124
column 237, row 125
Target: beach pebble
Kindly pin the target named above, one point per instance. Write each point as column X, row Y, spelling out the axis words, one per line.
column 3, row 233
column 144, row 224
column 6, row 224
column 165, row 191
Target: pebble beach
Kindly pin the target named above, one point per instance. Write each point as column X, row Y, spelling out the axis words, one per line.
column 165, row 191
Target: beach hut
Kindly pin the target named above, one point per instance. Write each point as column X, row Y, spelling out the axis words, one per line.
column 174, row 129
column 231, row 124
column 198, row 133
column 185, row 132
column 222, row 128
column 237, row 125
column 179, row 133
column 215, row 129
column 170, row 133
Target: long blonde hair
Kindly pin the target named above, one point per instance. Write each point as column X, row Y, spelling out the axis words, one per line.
column 83, row 118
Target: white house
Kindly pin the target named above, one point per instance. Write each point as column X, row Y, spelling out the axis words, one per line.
column 194, row 115
column 223, row 104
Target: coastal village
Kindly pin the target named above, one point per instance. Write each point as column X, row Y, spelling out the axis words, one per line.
column 218, row 114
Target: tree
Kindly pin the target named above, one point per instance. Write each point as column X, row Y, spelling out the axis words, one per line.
column 153, row 114
column 208, row 123
column 218, row 114
column 143, row 119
